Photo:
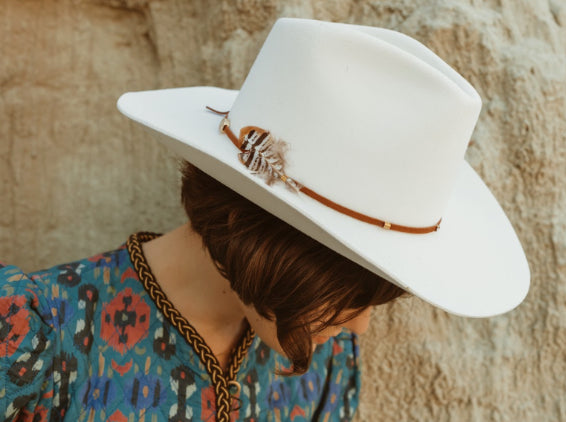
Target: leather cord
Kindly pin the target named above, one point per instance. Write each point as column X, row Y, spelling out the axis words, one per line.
column 225, row 128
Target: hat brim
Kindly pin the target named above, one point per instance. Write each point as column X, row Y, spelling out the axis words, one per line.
column 473, row 265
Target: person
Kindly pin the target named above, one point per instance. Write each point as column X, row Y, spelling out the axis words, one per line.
column 327, row 203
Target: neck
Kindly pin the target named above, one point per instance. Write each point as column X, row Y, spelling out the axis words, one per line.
column 187, row 275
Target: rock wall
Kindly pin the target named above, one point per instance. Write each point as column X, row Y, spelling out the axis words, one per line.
column 76, row 177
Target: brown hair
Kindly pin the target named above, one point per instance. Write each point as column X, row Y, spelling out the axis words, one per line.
column 285, row 274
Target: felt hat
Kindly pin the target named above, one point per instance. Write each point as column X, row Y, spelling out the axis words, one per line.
column 372, row 127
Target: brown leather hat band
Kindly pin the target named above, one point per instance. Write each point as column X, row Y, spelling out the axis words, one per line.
column 225, row 128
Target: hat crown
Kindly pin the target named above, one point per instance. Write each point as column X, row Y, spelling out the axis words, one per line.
column 374, row 120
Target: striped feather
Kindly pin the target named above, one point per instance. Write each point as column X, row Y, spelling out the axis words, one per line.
column 264, row 155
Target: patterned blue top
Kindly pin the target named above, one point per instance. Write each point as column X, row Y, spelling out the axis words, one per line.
column 86, row 341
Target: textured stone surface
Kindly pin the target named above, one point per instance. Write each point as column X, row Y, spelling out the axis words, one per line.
column 76, row 177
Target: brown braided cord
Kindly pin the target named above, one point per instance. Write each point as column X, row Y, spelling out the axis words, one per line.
column 237, row 357
column 239, row 354
column 219, row 381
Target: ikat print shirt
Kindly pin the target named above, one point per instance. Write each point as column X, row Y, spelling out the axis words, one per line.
column 86, row 341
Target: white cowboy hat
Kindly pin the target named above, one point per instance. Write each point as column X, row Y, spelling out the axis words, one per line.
column 376, row 126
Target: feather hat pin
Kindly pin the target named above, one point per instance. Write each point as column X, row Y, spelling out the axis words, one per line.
column 264, row 155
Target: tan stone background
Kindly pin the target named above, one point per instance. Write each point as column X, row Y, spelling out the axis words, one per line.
column 76, row 177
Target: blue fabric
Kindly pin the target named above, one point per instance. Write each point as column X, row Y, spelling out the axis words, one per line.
column 85, row 342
